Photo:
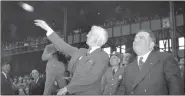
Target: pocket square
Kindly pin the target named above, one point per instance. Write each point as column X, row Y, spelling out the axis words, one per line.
column 80, row 57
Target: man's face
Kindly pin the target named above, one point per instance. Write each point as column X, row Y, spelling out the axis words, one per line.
column 142, row 43
column 6, row 68
column 35, row 74
column 20, row 79
column 126, row 58
column 91, row 38
column 114, row 60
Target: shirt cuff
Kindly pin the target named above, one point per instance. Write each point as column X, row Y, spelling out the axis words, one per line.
column 49, row 33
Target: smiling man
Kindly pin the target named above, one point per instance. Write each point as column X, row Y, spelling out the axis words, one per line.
column 86, row 65
column 151, row 73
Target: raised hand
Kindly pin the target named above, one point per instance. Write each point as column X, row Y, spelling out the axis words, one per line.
column 43, row 25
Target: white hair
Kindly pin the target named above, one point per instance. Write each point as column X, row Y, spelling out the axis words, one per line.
column 101, row 33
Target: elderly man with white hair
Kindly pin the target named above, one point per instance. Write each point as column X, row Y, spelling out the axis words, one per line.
column 86, row 65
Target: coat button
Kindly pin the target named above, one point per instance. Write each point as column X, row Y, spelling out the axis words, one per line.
column 54, row 65
column 112, row 79
column 132, row 92
column 112, row 84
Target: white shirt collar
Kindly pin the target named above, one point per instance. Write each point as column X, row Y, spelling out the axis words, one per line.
column 94, row 48
column 145, row 56
column 4, row 74
column 115, row 69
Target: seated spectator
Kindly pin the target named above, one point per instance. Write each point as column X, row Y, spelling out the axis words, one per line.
column 15, row 81
column 15, row 85
column 21, row 91
column 21, row 86
column 26, row 80
column 27, row 90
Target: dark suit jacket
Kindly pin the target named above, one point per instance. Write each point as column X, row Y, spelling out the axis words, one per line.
column 87, row 69
column 6, row 86
column 37, row 88
column 111, row 82
column 160, row 75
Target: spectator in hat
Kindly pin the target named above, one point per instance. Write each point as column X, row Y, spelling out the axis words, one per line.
column 113, row 75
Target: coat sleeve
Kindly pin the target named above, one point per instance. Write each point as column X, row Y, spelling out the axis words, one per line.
column 172, row 75
column 93, row 76
column 61, row 45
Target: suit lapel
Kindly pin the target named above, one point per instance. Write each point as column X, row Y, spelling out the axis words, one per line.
column 75, row 58
column 151, row 61
column 81, row 55
column 134, row 69
column 3, row 75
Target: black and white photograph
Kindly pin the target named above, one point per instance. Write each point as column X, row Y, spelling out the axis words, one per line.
column 92, row 47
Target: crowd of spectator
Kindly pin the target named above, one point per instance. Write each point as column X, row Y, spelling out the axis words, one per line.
column 27, row 45
column 30, row 41
column 23, row 85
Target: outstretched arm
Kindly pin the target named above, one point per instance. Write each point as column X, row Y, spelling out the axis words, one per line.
column 59, row 43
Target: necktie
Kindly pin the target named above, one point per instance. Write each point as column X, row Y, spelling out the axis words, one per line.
column 140, row 63
column 113, row 72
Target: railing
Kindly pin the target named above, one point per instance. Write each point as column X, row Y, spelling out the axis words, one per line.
column 26, row 47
